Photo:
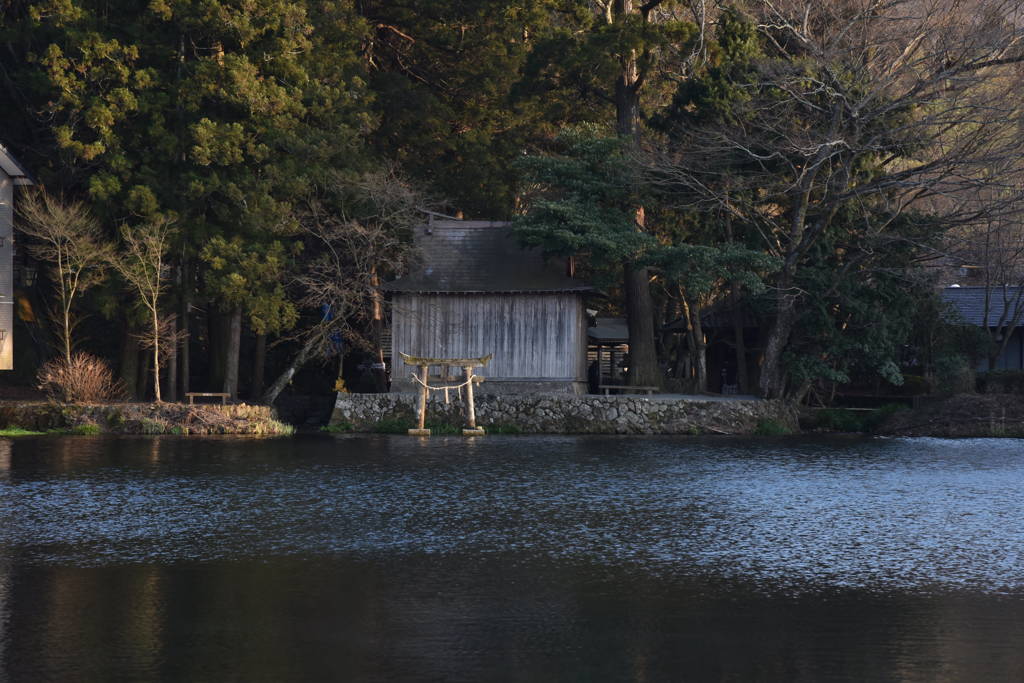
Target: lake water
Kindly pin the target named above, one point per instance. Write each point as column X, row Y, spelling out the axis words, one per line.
column 511, row 559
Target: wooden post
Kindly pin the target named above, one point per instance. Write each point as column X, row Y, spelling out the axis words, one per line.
column 471, row 428
column 422, row 430
column 470, row 408
column 424, row 376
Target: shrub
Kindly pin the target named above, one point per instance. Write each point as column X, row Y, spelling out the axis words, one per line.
column 338, row 428
column 1001, row 382
column 86, row 379
column 147, row 426
column 954, row 374
column 769, row 427
column 873, row 421
column 845, row 420
column 841, row 420
column 914, row 385
column 393, row 426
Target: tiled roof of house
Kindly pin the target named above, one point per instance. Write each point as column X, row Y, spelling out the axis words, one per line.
column 480, row 256
column 969, row 304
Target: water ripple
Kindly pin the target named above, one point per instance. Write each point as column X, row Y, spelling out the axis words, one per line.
column 871, row 513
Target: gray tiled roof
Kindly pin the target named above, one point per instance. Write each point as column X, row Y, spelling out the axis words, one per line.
column 969, row 304
column 609, row 331
column 480, row 256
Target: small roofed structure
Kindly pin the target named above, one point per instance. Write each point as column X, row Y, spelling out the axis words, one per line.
column 475, row 291
column 11, row 174
column 608, row 346
column 993, row 308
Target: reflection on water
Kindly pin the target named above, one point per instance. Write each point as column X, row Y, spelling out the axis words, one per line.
column 511, row 559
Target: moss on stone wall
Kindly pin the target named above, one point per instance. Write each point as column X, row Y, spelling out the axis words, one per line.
column 563, row 414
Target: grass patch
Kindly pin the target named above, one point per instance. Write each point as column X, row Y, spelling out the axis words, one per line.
column 273, row 428
column 338, row 428
column 148, row 426
column 769, row 427
column 502, row 429
column 392, row 425
column 400, row 426
column 18, row 431
column 442, row 428
column 85, row 429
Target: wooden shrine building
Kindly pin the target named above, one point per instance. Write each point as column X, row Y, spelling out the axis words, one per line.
column 476, row 292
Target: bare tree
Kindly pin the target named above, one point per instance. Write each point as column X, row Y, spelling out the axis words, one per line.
column 141, row 263
column 861, row 111
column 68, row 238
column 366, row 235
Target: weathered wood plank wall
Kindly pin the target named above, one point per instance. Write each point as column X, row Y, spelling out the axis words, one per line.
column 532, row 336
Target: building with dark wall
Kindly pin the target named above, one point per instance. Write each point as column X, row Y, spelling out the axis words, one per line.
column 994, row 308
column 11, row 174
column 475, row 291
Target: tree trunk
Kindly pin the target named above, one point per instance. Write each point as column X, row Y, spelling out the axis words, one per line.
column 234, row 343
column 740, row 341
column 142, row 388
column 67, row 333
column 172, row 372
column 737, row 323
column 285, row 377
column 699, row 348
column 773, row 375
column 156, row 357
column 643, row 361
column 627, row 93
column 129, row 365
column 184, row 326
column 258, row 367
column 643, row 364
column 217, row 336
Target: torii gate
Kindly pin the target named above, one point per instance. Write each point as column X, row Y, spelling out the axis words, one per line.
column 467, row 364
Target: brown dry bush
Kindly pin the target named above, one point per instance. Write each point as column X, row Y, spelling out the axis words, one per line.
column 86, row 379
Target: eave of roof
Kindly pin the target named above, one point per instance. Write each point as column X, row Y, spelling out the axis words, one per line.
column 14, row 170
column 609, row 331
column 413, row 290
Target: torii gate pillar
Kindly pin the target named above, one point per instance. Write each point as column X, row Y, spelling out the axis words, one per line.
column 467, row 364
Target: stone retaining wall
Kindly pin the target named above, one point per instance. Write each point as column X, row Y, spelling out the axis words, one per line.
column 563, row 414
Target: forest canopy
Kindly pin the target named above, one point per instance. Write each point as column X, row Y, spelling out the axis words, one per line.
column 775, row 177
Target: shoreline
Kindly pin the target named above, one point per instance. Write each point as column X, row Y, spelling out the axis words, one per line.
column 140, row 418
column 959, row 416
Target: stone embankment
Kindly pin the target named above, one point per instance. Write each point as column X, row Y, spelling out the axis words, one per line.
column 562, row 414
column 141, row 418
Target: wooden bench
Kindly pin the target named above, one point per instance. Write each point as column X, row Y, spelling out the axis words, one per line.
column 191, row 396
column 606, row 388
